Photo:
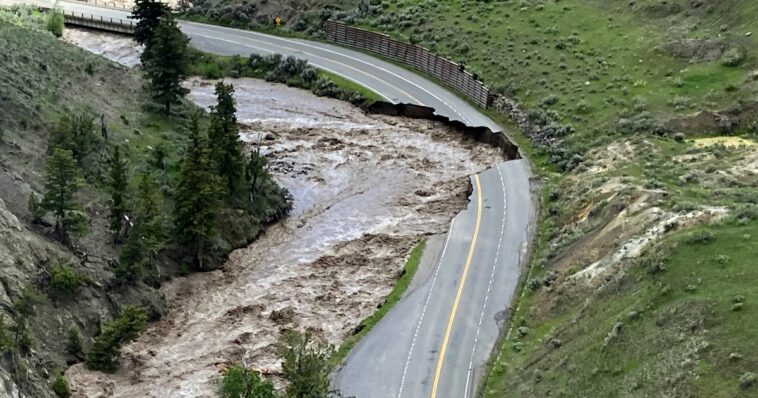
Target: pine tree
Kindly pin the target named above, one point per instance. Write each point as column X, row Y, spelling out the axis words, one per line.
column 226, row 145
column 75, row 133
column 198, row 195
column 106, row 348
column 62, row 183
column 167, row 63
column 146, row 236
column 118, row 184
column 148, row 14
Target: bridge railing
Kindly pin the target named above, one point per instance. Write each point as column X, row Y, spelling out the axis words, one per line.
column 108, row 4
column 420, row 58
column 117, row 25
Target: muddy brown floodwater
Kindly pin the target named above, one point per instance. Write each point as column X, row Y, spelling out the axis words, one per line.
column 366, row 189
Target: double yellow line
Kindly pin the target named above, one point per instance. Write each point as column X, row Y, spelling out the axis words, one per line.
column 461, row 285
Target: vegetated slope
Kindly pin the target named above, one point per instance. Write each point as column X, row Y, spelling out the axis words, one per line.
column 596, row 69
column 619, row 304
column 42, row 79
column 297, row 15
column 643, row 272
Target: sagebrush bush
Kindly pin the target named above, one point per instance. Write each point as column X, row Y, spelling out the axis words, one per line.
column 733, row 57
column 699, row 237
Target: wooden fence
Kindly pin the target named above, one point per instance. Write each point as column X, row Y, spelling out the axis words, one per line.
column 408, row 54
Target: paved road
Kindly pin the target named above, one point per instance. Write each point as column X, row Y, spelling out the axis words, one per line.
column 435, row 342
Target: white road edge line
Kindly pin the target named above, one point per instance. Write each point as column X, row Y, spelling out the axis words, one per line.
column 423, row 311
column 489, row 286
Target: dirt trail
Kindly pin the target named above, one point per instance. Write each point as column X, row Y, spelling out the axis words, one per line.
column 365, row 188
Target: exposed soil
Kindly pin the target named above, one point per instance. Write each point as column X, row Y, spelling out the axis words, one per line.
column 365, row 188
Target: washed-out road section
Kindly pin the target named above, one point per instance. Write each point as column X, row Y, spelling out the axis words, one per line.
column 436, row 341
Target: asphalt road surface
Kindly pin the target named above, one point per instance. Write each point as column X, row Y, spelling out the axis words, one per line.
column 436, row 341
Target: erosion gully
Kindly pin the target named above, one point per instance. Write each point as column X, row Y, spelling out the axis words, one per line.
column 366, row 188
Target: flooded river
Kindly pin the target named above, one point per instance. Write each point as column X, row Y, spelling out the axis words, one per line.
column 366, row 189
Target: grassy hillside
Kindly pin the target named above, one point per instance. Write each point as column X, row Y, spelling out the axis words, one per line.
column 602, row 68
column 644, row 271
column 41, row 80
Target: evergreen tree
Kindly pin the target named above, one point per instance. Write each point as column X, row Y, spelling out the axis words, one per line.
column 75, row 133
column 226, row 145
column 118, row 184
column 106, row 348
column 198, row 195
column 62, row 182
column 146, row 236
column 148, row 14
column 167, row 63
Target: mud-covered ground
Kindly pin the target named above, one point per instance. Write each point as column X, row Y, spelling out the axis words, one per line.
column 366, row 188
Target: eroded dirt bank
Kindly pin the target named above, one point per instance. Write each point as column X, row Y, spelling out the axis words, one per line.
column 365, row 188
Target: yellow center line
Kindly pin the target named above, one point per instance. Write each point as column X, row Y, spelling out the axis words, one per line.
column 454, row 310
column 296, row 50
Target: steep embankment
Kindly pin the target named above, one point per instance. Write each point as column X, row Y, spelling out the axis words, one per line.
column 41, row 80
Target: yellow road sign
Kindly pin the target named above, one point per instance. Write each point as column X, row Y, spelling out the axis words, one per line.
column 278, row 20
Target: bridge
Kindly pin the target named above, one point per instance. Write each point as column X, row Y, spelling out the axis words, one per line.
column 115, row 25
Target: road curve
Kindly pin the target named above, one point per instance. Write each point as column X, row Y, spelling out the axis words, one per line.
column 436, row 341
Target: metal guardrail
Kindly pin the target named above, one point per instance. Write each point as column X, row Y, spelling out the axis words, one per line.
column 107, row 4
column 420, row 58
column 116, row 25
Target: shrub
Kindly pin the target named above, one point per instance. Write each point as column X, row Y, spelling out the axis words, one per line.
column 240, row 382
column 305, row 365
column 25, row 305
column 732, row 57
column 74, row 343
column 534, row 284
column 583, row 107
column 550, row 100
column 680, row 103
column 635, row 124
column 106, row 348
column 747, row 380
column 699, row 237
column 64, row 281
column 54, row 22
column 60, row 387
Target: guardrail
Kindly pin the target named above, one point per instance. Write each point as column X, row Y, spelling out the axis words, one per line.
column 420, row 58
column 107, row 4
column 116, row 25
